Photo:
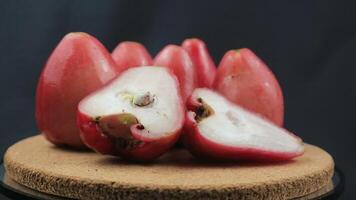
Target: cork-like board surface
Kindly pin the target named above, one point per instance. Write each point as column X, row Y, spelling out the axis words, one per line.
column 39, row 165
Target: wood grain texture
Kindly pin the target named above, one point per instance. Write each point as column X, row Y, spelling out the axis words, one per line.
column 39, row 165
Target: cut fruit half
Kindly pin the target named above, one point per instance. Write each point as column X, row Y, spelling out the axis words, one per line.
column 138, row 115
column 218, row 129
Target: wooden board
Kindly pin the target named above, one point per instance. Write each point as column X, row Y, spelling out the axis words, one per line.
column 39, row 165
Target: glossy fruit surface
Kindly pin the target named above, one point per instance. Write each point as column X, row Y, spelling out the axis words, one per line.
column 79, row 65
column 131, row 54
column 245, row 80
column 204, row 64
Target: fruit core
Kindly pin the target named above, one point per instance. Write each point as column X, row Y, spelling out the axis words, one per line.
column 203, row 111
column 118, row 126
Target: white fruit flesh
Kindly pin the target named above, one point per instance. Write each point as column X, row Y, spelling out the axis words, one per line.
column 149, row 93
column 231, row 125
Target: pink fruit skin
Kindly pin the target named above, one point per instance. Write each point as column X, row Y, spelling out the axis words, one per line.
column 92, row 137
column 131, row 54
column 204, row 64
column 203, row 148
column 79, row 65
column 148, row 151
column 178, row 60
column 245, row 80
column 100, row 143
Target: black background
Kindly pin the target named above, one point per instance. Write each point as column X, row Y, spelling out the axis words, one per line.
column 310, row 45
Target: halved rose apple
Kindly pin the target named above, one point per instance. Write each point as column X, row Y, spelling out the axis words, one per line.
column 215, row 128
column 138, row 115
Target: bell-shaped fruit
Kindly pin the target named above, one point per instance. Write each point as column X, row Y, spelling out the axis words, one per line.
column 137, row 116
column 204, row 64
column 131, row 54
column 79, row 65
column 178, row 60
column 245, row 80
column 215, row 128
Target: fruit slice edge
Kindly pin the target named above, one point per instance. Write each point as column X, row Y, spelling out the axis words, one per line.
column 233, row 127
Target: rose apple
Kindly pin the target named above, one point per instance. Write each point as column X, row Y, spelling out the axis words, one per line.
column 79, row 65
column 131, row 54
column 204, row 64
column 216, row 128
column 138, row 116
column 245, row 80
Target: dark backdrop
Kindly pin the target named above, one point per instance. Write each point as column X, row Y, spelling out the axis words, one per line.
column 310, row 45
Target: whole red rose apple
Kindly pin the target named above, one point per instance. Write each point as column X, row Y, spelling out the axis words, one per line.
column 79, row 65
column 245, row 79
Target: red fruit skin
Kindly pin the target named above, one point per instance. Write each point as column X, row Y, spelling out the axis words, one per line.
column 178, row 60
column 204, row 148
column 245, row 80
column 99, row 142
column 131, row 54
column 148, row 151
column 92, row 138
column 204, row 64
column 79, row 65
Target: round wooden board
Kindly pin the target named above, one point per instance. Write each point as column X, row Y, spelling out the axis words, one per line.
column 39, row 165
